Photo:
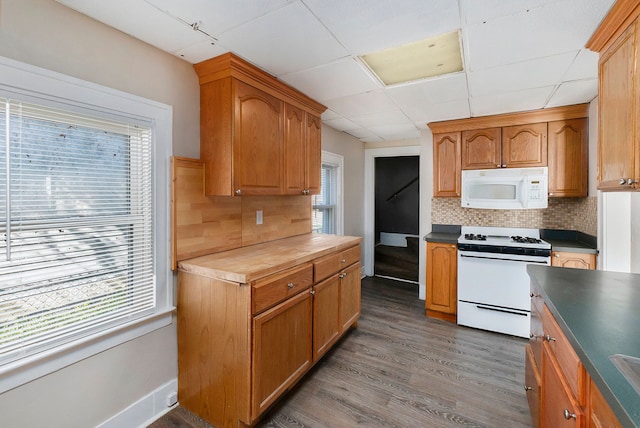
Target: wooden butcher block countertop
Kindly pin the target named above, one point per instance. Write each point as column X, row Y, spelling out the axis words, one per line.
column 247, row 264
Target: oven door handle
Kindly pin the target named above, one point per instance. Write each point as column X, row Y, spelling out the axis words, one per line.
column 507, row 260
column 488, row 308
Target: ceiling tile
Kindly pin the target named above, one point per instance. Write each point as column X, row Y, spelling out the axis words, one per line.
column 217, row 16
column 575, row 92
column 361, row 104
column 568, row 25
column 474, row 11
column 585, row 66
column 200, row 51
column 362, row 133
column 396, row 132
column 341, row 124
column 531, row 99
column 287, row 40
column 458, row 109
column 334, row 80
column 416, row 98
column 366, row 26
column 329, row 114
column 395, row 117
column 536, row 73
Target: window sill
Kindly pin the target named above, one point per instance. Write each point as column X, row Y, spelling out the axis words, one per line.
column 35, row 366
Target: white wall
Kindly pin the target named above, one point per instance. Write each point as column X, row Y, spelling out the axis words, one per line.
column 352, row 150
column 48, row 35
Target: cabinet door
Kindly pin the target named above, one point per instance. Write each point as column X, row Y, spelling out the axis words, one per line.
column 524, row 145
column 281, row 349
column 326, row 315
column 573, row 260
column 349, row 296
column 481, row 148
column 313, row 154
column 600, row 414
column 258, row 141
column 442, row 268
column 294, row 150
column 532, row 383
column 568, row 157
column 446, row 165
column 559, row 406
column 618, row 139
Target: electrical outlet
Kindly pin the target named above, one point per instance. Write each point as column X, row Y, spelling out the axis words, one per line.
column 258, row 216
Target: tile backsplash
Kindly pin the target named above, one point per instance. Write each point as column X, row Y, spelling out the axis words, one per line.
column 578, row 214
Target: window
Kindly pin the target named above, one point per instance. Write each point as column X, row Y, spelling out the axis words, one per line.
column 76, row 225
column 84, row 220
column 327, row 206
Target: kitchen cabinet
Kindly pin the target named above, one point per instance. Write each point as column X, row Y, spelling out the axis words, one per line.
column 514, row 140
column 252, row 321
column 258, row 136
column 573, row 260
column 568, row 153
column 618, row 105
column 442, row 272
column 302, row 152
column 524, row 145
column 446, row 165
column 482, row 148
column 559, row 389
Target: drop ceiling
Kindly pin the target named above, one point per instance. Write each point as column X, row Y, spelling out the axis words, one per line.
column 517, row 55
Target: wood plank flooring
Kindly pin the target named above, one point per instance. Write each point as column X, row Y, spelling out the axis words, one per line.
column 401, row 369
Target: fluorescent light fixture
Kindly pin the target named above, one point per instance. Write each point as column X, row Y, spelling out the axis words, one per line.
column 417, row 60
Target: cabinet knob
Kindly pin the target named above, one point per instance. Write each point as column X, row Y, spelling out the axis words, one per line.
column 556, row 255
column 498, row 166
column 312, row 292
column 305, row 192
column 549, row 338
column 568, row 415
column 622, row 181
column 504, row 165
column 342, row 275
column 238, row 192
column 291, row 285
column 527, row 388
column 343, row 261
column 631, row 181
column 531, row 335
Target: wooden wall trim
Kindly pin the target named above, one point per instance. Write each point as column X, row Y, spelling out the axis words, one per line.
column 509, row 119
column 620, row 16
column 230, row 65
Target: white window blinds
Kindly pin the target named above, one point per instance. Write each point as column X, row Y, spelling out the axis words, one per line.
column 76, row 238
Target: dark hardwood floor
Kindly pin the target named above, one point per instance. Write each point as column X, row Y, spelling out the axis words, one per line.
column 401, row 369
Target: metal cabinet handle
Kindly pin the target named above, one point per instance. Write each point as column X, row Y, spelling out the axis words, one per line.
column 498, row 166
column 631, row 181
column 291, row 285
column 527, row 388
column 305, row 192
column 549, row 338
column 312, row 292
column 568, row 415
column 622, row 181
column 343, row 261
column 238, row 192
column 531, row 335
column 504, row 165
column 342, row 275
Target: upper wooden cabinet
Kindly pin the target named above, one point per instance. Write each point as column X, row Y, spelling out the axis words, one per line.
column 258, row 136
column 557, row 137
column 568, row 142
column 446, row 164
column 524, row 145
column 619, row 136
column 482, row 148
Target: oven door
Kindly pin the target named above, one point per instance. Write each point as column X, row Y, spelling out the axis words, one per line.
column 495, row 279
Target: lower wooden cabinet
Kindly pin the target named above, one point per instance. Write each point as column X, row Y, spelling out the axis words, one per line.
column 442, row 281
column 282, row 349
column 241, row 346
column 573, row 260
column 559, row 390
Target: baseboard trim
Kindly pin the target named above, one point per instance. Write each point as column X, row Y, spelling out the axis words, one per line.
column 146, row 410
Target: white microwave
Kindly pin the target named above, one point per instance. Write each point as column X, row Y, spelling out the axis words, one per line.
column 505, row 188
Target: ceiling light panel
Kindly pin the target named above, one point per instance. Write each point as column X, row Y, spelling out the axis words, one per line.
column 418, row 60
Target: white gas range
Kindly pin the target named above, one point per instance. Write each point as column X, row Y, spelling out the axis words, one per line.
column 493, row 285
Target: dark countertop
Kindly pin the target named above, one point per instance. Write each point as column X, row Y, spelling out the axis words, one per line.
column 447, row 233
column 599, row 312
column 570, row 241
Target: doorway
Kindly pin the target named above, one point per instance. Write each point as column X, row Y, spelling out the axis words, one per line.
column 397, row 208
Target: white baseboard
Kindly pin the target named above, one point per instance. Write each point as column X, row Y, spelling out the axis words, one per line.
column 146, row 410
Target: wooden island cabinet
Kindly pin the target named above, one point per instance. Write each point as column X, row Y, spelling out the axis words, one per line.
column 252, row 321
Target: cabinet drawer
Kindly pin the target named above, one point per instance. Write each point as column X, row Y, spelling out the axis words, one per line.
column 272, row 290
column 326, row 266
column 563, row 351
